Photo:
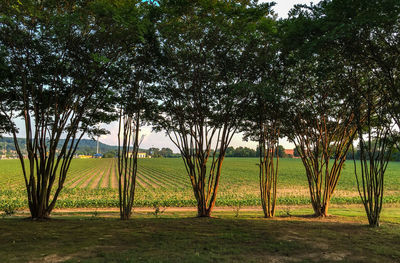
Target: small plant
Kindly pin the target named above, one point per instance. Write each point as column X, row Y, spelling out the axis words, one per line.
column 9, row 210
column 287, row 212
column 157, row 210
column 236, row 209
column 95, row 214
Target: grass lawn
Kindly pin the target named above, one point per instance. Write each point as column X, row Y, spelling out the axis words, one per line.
column 177, row 236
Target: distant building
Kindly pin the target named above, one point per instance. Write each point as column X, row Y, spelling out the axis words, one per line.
column 289, row 152
column 141, row 155
column 81, row 156
column 98, row 156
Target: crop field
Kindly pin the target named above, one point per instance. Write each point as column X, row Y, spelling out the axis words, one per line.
column 164, row 182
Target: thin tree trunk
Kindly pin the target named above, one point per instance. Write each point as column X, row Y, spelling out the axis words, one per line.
column 128, row 133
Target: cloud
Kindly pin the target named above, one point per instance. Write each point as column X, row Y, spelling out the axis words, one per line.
column 282, row 7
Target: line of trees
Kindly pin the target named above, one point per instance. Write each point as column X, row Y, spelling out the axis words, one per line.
column 327, row 78
column 89, row 147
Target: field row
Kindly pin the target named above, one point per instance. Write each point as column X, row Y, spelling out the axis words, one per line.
column 96, row 174
column 105, row 175
column 94, row 183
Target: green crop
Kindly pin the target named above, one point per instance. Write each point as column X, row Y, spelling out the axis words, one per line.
column 164, row 182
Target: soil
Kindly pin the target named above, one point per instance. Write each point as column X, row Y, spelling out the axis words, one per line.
column 194, row 209
column 82, row 177
column 114, row 179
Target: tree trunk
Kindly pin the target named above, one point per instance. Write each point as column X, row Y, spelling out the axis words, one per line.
column 268, row 179
column 202, row 211
column 128, row 147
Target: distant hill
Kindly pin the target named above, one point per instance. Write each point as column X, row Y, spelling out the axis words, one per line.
column 86, row 146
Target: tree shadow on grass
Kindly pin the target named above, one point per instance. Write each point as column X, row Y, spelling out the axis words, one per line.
column 194, row 239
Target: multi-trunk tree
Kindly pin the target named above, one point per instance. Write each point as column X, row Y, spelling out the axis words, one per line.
column 265, row 110
column 322, row 128
column 202, row 91
column 375, row 143
column 367, row 66
column 128, row 147
column 374, row 56
column 263, row 125
column 134, row 36
column 56, row 86
column 321, row 120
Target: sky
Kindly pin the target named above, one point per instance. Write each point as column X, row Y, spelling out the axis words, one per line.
column 159, row 140
column 282, row 7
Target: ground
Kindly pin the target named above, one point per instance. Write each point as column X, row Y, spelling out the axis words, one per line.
column 176, row 235
column 85, row 227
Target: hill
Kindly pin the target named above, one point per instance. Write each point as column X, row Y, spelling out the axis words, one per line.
column 86, row 146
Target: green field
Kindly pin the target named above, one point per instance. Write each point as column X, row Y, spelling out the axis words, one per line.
column 163, row 182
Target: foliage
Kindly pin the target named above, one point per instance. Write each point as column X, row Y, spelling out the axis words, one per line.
column 133, row 71
column 320, row 117
column 157, row 210
column 56, row 84
column 376, row 87
column 202, row 89
column 200, row 71
column 9, row 209
column 372, row 88
column 165, row 152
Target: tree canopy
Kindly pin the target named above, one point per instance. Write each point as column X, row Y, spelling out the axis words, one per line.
column 326, row 78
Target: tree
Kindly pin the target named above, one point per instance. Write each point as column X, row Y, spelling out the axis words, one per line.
column 166, row 152
column 56, row 84
column 281, row 152
column 202, row 92
column 321, row 121
column 110, row 154
column 266, row 111
column 131, row 31
column 4, row 75
column 265, row 127
column 296, row 152
column 373, row 55
column 376, row 147
column 154, row 152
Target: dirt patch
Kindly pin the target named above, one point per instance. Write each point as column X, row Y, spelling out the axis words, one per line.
column 147, row 181
column 327, row 253
column 277, row 259
column 327, row 256
column 96, row 181
column 114, row 179
column 89, row 179
column 53, row 258
column 106, row 179
column 82, row 178
column 216, row 209
column 140, row 182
